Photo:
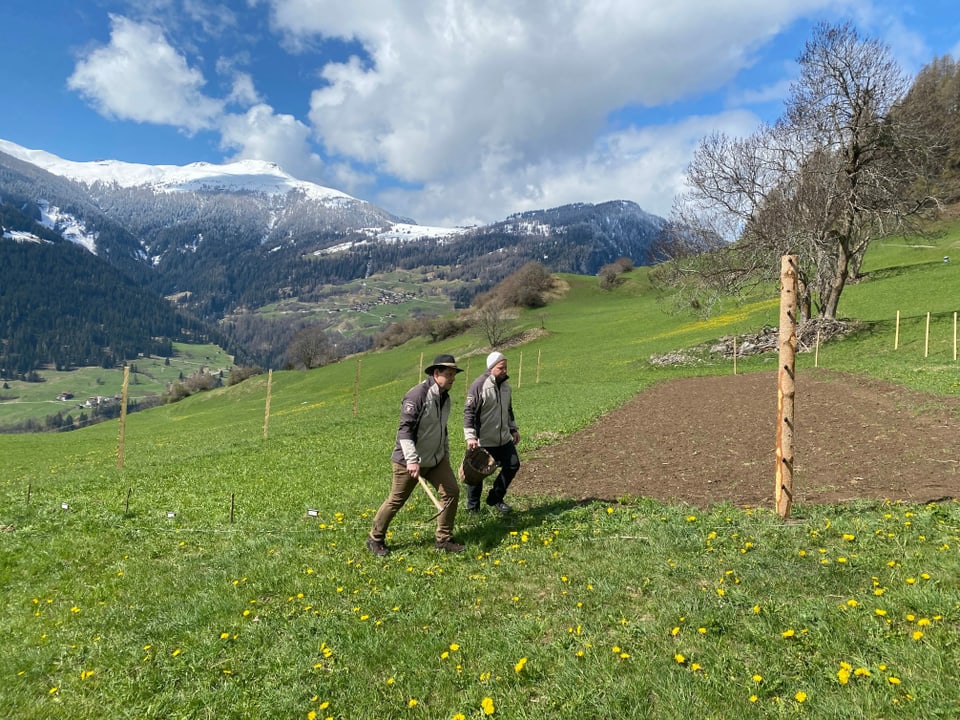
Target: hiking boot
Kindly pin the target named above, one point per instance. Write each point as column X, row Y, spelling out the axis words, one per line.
column 449, row 546
column 377, row 547
column 503, row 507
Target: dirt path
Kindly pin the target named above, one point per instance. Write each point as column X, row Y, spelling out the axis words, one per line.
column 708, row 440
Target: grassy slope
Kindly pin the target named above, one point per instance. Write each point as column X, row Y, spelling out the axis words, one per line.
column 637, row 610
column 25, row 400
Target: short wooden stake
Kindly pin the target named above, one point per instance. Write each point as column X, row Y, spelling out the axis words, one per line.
column 231, row 508
column 29, row 491
column 896, row 334
column 123, row 415
column 520, row 370
column 734, row 354
column 420, row 369
column 126, row 505
column 538, row 367
column 926, row 338
column 816, row 352
column 954, row 336
column 356, row 388
column 786, row 384
column 266, row 410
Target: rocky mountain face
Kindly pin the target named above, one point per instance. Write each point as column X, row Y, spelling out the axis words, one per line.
column 220, row 238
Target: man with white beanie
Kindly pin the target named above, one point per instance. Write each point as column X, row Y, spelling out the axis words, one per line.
column 488, row 421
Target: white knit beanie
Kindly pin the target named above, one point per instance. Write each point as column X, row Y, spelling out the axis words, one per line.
column 493, row 358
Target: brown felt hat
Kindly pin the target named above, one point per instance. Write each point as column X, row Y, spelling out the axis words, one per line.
column 443, row 361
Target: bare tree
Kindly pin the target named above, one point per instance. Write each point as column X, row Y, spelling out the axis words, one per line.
column 839, row 169
column 310, row 348
column 494, row 321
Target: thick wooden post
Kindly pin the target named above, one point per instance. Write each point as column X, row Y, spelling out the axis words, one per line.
column 786, row 383
column 123, row 416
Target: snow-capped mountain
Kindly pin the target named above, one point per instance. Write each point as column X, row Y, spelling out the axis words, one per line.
column 251, row 176
column 225, row 239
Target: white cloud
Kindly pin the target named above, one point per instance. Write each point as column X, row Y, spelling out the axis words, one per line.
column 262, row 134
column 243, row 91
column 488, row 101
column 139, row 76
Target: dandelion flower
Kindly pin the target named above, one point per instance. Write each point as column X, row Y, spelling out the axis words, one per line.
column 679, row 658
column 758, row 678
column 788, row 633
column 520, row 665
column 893, row 680
column 917, row 634
column 412, row 703
column 753, row 698
column 487, row 706
column 800, row 697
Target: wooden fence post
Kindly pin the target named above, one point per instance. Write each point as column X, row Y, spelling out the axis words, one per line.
column 356, row 386
column 896, row 333
column 266, row 410
column 123, row 416
column 538, row 367
column 926, row 338
column 786, row 383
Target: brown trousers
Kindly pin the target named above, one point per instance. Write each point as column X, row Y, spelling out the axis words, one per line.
column 440, row 477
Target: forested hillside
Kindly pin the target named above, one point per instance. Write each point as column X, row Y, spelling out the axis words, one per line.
column 63, row 306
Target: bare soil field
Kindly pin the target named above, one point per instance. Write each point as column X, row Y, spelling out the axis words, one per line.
column 703, row 441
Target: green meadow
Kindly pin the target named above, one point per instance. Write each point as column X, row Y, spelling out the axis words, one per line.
column 221, row 571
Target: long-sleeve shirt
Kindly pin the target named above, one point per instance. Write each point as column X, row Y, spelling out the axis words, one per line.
column 422, row 434
column 488, row 412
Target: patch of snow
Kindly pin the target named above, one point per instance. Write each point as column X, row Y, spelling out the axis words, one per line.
column 21, row 236
column 68, row 226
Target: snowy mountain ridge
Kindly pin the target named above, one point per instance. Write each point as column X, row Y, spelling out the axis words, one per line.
column 239, row 176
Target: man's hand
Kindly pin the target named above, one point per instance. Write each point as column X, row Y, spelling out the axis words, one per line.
column 516, row 437
column 414, row 470
column 471, row 444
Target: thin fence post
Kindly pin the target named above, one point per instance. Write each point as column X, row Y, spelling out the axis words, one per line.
column 520, row 370
column 734, row 354
column 816, row 352
column 266, row 410
column 231, row 507
column 954, row 336
column 538, row 367
column 356, row 387
column 926, row 338
column 896, row 334
column 123, row 416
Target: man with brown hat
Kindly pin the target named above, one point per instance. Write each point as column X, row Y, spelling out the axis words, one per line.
column 488, row 422
column 422, row 450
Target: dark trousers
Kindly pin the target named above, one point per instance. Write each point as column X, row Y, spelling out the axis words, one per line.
column 509, row 461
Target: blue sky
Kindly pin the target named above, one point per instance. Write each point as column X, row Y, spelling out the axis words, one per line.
column 446, row 112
